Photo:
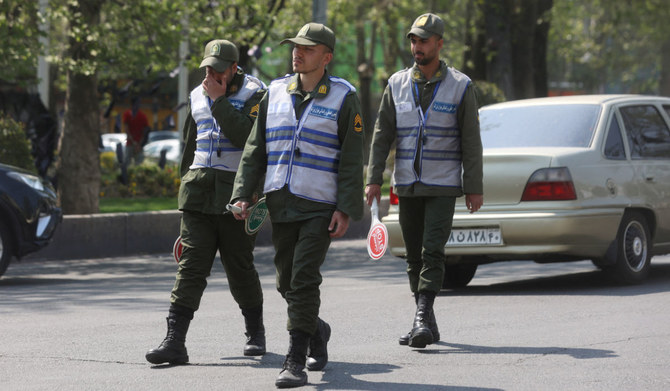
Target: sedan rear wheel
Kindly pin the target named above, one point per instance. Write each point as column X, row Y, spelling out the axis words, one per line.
column 458, row 276
column 633, row 249
column 6, row 248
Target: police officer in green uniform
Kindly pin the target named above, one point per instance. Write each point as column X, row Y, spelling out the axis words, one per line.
column 308, row 142
column 430, row 112
column 221, row 113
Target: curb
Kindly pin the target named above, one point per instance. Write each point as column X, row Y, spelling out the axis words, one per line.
column 105, row 235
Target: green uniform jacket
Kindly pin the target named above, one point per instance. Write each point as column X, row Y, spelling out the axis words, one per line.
column 471, row 146
column 207, row 190
column 285, row 207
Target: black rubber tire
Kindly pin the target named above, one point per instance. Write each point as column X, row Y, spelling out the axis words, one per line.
column 633, row 255
column 6, row 247
column 458, row 276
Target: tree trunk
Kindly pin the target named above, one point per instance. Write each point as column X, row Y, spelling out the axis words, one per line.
column 516, row 46
column 366, row 71
column 498, row 31
column 664, row 84
column 474, row 57
column 523, row 33
column 79, row 171
column 540, row 45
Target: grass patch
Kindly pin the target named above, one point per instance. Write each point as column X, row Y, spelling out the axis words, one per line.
column 136, row 204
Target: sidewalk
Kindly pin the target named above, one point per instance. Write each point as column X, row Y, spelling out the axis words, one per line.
column 125, row 234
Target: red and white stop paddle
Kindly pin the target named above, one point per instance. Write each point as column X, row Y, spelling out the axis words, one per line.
column 177, row 249
column 378, row 235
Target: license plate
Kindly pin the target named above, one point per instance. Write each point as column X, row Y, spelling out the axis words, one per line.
column 485, row 236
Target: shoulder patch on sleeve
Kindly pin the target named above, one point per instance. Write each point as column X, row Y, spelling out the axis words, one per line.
column 254, row 111
column 358, row 123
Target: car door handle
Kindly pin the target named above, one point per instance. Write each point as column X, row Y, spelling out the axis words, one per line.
column 649, row 179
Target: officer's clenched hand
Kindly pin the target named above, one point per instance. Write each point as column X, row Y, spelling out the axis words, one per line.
column 244, row 213
column 339, row 224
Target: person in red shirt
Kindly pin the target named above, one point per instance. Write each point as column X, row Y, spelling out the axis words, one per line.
column 135, row 124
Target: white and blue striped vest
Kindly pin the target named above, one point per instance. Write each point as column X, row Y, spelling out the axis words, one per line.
column 437, row 144
column 213, row 149
column 304, row 154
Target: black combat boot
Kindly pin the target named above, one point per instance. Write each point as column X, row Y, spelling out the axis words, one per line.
column 420, row 336
column 404, row 339
column 253, row 322
column 292, row 373
column 317, row 355
column 173, row 349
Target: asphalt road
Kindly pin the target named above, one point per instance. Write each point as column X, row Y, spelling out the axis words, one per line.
column 86, row 324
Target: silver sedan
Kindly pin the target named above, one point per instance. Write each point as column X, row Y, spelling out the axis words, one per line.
column 566, row 178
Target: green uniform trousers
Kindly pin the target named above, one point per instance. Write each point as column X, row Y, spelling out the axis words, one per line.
column 301, row 249
column 202, row 235
column 425, row 223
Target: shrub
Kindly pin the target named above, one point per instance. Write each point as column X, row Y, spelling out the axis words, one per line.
column 144, row 180
column 14, row 145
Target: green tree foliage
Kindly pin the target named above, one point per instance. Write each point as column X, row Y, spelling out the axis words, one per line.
column 604, row 45
column 611, row 46
column 14, row 146
column 19, row 36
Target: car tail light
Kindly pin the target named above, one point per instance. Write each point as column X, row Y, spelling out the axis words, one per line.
column 550, row 184
column 393, row 197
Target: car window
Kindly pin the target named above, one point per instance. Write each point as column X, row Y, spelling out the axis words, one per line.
column 667, row 109
column 647, row 133
column 569, row 125
column 614, row 143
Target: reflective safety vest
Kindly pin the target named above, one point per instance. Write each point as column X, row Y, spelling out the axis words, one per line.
column 304, row 154
column 213, row 149
column 432, row 137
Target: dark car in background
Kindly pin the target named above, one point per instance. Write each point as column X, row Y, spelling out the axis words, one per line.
column 28, row 213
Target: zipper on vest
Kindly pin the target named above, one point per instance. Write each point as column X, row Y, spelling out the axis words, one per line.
column 211, row 133
column 421, row 136
column 300, row 122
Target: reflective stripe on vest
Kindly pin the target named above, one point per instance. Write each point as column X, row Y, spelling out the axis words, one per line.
column 213, row 149
column 306, row 154
column 435, row 137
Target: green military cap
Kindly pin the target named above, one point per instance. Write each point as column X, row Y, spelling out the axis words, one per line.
column 426, row 25
column 220, row 54
column 313, row 34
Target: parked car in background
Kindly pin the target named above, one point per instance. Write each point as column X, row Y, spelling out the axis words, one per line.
column 109, row 141
column 172, row 148
column 566, row 178
column 28, row 213
column 157, row 135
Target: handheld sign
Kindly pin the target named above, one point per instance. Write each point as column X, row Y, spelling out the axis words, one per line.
column 378, row 235
column 258, row 213
column 177, row 249
column 257, row 216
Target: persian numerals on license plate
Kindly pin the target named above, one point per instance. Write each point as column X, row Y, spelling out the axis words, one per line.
column 483, row 236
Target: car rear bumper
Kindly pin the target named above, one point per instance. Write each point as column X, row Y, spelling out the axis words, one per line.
column 530, row 234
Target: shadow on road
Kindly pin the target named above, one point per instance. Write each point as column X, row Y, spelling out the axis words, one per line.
column 578, row 353
column 585, row 283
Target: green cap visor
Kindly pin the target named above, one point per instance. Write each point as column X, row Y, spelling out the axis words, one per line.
column 313, row 34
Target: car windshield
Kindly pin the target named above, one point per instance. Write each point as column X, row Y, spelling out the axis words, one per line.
column 538, row 126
